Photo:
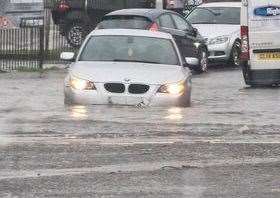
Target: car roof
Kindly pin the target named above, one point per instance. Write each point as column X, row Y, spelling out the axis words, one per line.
column 221, row 4
column 131, row 32
column 151, row 14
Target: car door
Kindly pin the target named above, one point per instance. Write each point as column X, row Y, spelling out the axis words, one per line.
column 188, row 36
column 166, row 24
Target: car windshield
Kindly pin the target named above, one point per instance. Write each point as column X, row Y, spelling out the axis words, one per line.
column 130, row 49
column 124, row 22
column 215, row 15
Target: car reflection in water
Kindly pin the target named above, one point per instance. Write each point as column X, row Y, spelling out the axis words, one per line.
column 174, row 113
column 78, row 112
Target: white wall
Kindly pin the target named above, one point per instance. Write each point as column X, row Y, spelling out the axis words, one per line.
column 26, row 1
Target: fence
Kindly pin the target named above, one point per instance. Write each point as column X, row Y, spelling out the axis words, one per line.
column 21, row 48
column 35, row 42
column 39, row 41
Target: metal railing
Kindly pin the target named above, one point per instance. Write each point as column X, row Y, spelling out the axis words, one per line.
column 36, row 42
column 21, row 48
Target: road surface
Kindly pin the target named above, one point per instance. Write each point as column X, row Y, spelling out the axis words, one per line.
column 226, row 145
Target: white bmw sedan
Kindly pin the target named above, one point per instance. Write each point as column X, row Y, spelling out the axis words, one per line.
column 135, row 67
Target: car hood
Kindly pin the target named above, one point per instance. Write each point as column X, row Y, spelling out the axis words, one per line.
column 215, row 30
column 122, row 71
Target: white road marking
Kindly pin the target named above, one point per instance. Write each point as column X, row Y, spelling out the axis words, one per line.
column 68, row 139
column 131, row 167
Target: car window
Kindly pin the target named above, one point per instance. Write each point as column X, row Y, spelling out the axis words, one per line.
column 166, row 21
column 180, row 23
column 215, row 15
column 126, row 22
column 130, row 49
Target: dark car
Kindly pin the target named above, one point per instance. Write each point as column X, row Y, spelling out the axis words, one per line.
column 76, row 18
column 189, row 41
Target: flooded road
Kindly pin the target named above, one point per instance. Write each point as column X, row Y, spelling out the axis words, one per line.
column 226, row 145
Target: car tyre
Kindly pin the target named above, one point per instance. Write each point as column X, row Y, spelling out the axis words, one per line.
column 186, row 98
column 67, row 101
column 235, row 60
column 187, row 103
column 203, row 61
column 75, row 33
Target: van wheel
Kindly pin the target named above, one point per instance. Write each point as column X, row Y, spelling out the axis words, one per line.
column 246, row 74
column 75, row 33
column 235, row 60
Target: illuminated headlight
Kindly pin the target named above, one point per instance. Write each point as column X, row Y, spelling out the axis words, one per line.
column 174, row 89
column 81, row 84
column 218, row 40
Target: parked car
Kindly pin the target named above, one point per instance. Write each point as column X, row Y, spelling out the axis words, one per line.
column 76, row 18
column 260, row 22
column 189, row 41
column 135, row 67
column 219, row 24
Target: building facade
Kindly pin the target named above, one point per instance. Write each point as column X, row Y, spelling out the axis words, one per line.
column 15, row 11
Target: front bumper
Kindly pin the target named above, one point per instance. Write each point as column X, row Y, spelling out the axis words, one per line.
column 219, row 52
column 261, row 77
column 103, row 97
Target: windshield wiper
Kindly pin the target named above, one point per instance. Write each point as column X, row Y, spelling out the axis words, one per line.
column 202, row 22
column 136, row 61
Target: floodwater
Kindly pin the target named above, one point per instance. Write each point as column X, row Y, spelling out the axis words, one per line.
column 226, row 145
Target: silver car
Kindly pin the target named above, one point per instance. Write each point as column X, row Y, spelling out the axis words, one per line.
column 135, row 67
column 219, row 24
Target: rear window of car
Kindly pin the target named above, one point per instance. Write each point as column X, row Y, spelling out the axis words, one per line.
column 215, row 15
column 124, row 22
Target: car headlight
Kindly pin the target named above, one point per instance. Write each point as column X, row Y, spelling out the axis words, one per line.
column 174, row 89
column 218, row 40
column 81, row 84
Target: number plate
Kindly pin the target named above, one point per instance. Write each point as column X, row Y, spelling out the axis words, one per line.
column 269, row 56
column 117, row 100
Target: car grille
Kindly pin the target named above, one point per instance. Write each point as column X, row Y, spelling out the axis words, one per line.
column 219, row 53
column 138, row 88
column 115, row 87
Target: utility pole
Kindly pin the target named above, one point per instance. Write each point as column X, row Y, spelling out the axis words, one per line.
column 159, row 4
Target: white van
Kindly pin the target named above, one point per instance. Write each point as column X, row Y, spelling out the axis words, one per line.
column 260, row 41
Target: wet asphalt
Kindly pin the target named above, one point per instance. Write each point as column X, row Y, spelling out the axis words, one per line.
column 226, row 145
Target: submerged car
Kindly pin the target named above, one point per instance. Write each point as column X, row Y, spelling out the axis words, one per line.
column 219, row 24
column 135, row 67
column 188, row 39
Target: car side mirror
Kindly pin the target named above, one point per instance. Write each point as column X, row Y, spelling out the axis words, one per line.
column 67, row 56
column 191, row 62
